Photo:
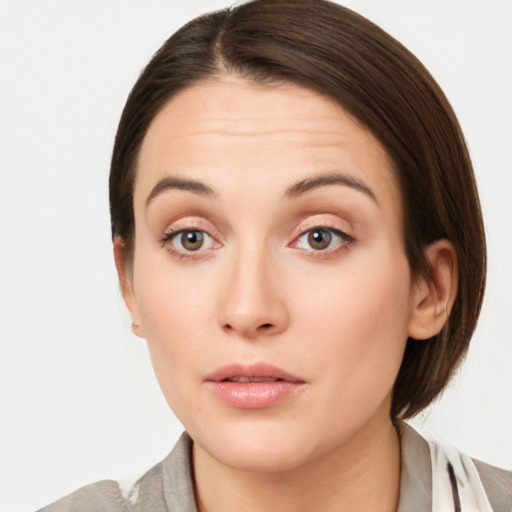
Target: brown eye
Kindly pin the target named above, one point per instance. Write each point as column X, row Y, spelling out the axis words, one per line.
column 191, row 240
column 319, row 239
column 322, row 239
column 189, row 243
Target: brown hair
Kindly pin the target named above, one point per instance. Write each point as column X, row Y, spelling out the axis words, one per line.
column 340, row 54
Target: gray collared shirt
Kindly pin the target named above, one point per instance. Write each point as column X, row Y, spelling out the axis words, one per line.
column 169, row 487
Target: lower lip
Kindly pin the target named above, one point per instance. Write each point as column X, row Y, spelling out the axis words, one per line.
column 255, row 395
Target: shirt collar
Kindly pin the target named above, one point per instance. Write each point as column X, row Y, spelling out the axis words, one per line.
column 415, row 479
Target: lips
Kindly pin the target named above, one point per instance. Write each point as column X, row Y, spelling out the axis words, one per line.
column 241, row 378
column 253, row 387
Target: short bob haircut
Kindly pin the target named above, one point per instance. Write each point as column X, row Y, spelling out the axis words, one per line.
column 329, row 49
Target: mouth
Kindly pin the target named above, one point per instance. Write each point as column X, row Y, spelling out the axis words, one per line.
column 257, row 386
column 241, row 378
column 260, row 372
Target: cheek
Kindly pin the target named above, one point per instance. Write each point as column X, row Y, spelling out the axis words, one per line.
column 176, row 312
column 178, row 343
column 357, row 320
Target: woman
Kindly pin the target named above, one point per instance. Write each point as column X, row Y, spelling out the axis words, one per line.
column 298, row 236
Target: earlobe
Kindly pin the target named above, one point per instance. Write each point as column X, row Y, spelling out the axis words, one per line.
column 126, row 283
column 433, row 296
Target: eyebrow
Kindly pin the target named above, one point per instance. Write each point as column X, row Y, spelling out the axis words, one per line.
column 176, row 183
column 297, row 189
column 332, row 178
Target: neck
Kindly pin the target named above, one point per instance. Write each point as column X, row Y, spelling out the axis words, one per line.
column 360, row 475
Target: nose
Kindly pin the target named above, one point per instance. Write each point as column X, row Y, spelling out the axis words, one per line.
column 252, row 300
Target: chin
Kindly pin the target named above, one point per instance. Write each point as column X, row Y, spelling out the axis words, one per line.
column 267, row 458
column 257, row 446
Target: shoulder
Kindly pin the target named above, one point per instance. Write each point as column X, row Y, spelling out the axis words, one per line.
column 106, row 496
column 417, row 468
column 497, row 483
column 102, row 496
column 166, row 486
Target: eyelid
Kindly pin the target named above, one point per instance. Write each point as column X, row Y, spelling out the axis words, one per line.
column 191, row 223
column 337, row 232
column 186, row 225
column 327, row 221
column 171, row 235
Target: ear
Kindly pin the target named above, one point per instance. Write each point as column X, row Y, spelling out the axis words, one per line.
column 126, row 281
column 433, row 297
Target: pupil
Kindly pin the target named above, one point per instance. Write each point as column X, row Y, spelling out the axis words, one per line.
column 319, row 239
column 192, row 240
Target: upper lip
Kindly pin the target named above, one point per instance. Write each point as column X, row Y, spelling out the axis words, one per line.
column 253, row 371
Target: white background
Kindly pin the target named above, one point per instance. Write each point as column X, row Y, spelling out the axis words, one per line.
column 78, row 399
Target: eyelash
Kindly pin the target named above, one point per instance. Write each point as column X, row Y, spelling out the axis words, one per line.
column 345, row 242
column 169, row 236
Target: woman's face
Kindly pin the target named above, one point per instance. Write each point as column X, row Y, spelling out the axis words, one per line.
column 269, row 274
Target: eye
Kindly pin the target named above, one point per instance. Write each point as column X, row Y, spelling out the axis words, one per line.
column 191, row 240
column 322, row 239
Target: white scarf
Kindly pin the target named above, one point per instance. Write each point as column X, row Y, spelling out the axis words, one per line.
column 456, row 485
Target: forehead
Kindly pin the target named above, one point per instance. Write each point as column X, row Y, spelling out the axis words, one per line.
column 231, row 133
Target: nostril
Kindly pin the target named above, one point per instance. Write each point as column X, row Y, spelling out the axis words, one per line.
column 266, row 326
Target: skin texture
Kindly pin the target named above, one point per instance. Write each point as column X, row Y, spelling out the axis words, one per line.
column 258, row 291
